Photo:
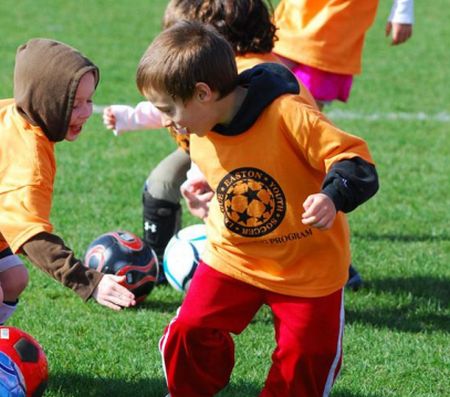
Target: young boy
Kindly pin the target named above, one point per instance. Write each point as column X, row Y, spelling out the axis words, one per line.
column 283, row 176
column 53, row 89
column 248, row 27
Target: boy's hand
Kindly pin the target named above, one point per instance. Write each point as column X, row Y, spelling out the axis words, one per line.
column 320, row 211
column 111, row 294
column 400, row 32
column 109, row 119
column 198, row 195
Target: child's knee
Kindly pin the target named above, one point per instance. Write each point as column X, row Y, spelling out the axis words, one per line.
column 14, row 281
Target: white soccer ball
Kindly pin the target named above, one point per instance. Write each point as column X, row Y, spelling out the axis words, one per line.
column 182, row 255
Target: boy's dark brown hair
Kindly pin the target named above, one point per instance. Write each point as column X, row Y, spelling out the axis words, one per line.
column 183, row 55
column 246, row 24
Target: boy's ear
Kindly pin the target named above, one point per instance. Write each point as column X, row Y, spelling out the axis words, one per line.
column 203, row 92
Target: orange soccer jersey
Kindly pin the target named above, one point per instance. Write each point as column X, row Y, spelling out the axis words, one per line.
column 261, row 178
column 326, row 34
column 27, row 172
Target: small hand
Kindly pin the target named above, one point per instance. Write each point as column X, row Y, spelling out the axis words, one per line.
column 112, row 294
column 401, row 32
column 320, row 211
column 198, row 195
column 109, row 119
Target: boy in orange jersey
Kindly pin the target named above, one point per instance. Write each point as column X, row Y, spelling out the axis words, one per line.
column 247, row 26
column 53, row 89
column 283, row 177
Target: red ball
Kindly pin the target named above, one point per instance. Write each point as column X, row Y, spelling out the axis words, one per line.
column 28, row 355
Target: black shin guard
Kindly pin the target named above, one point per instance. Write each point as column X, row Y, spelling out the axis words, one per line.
column 162, row 219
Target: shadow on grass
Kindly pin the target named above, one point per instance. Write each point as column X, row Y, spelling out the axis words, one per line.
column 406, row 238
column 244, row 389
column 162, row 299
column 349, row 393
column 76, row 385
column 241, row 389
column 427, row 297
column 159, row 306
column 417, row 305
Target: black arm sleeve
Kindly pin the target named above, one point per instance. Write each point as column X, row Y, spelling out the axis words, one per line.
column 350, row 183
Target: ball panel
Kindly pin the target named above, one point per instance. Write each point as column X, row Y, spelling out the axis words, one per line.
column 182, row 255
column 178, row 261
column 12, row 383
column 123, row 253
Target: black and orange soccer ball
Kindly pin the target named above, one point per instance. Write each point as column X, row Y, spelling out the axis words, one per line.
column 123, row 253
column 31, row 367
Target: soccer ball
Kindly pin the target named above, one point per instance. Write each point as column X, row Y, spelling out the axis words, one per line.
column 182, row 255
column 23, row 364
column 12, row 383
column 123, row 253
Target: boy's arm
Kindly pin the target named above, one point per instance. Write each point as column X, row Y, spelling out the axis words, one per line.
column 48, row 252
column 121, row 118
column 349, row 183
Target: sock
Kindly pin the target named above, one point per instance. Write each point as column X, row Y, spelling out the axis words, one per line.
column 6, row 310
column 161, row 220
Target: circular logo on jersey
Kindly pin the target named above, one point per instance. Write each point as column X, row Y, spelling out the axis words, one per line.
column 252, row 202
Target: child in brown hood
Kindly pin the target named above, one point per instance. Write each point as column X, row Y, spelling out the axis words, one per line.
column 53, row 89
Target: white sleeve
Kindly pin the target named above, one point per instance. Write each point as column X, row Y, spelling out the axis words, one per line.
column 402, row 12
column 194, row 172
column 143, row 116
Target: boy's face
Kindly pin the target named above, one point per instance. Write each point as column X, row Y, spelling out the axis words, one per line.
column 195, row 116
column 82, row 106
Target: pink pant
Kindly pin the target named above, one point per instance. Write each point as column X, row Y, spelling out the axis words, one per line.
column 198, row 351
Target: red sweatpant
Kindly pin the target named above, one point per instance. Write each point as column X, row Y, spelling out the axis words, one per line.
column 198, row 351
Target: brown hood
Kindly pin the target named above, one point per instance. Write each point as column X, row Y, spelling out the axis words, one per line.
column 46, row 78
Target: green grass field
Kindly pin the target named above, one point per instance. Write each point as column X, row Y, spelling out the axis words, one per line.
column 397, row 341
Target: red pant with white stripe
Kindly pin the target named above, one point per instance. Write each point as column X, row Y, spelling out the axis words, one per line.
column 198, row 351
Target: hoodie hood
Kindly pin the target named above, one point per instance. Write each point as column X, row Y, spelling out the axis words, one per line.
column 46, row 78
column 264, row 83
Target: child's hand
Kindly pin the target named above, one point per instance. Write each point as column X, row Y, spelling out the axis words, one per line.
column 198, row 195
column 400, row 32
column 320, row 211
column 112, row 294
column 109, row 119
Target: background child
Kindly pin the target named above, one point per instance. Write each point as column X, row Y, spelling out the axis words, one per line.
column 277, row 233
column 53, row 89
column 248, row 28
column 322, row 41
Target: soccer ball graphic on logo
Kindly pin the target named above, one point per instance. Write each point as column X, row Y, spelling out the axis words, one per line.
column 23, row 364
column 182, row 255
column 123, row 253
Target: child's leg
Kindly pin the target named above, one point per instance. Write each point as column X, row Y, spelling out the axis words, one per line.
column 13, row 280
column 196, row 348
column 308, row 355
column 161, row 200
